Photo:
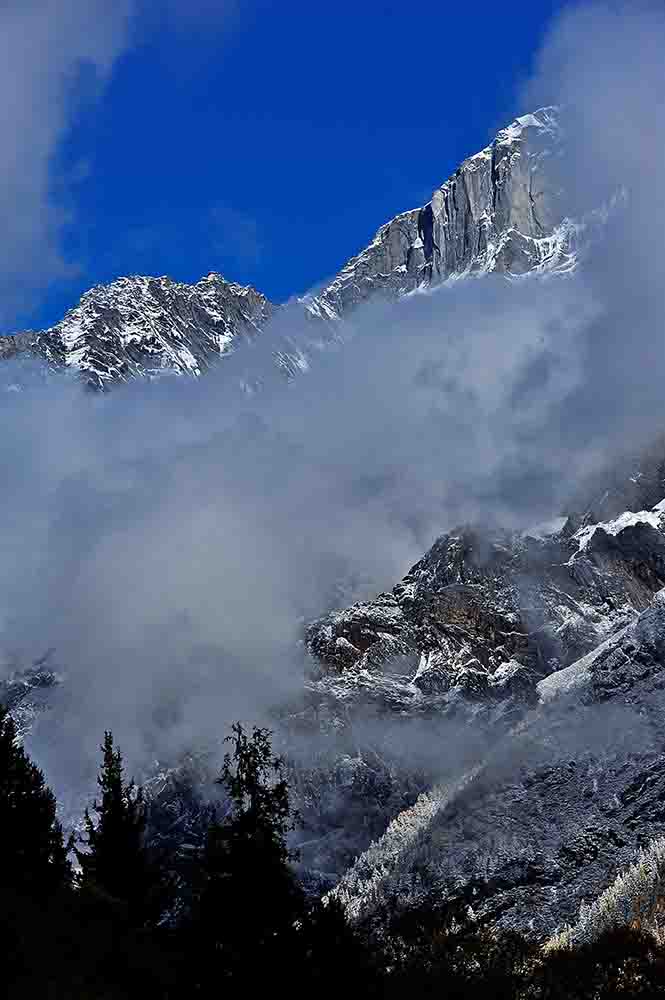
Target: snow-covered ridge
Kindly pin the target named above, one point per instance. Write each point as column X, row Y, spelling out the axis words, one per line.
column 498, row 212
column 143, row 326
column 654, row 517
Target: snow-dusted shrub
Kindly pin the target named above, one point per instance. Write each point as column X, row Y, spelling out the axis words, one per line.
column 635, row 899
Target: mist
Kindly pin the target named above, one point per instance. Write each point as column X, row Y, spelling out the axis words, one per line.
column 167, row 541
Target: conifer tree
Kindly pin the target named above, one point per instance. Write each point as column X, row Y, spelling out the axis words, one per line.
column 250, row 902
column 34, row 857
column 254, row 780
column 117, row 862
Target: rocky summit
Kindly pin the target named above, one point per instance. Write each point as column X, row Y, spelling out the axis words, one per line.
column 146, row 327
column 500, row 211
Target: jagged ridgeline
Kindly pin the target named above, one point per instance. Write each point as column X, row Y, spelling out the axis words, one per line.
column 500, row 211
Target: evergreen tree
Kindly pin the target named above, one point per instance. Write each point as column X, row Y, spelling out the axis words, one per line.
column 117, row 862
column 250, row 902
column 254, row 780
column 34, row 857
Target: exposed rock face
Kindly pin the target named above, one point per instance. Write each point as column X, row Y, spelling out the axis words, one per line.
column 561, row 804
column 537, row 667
column 151, row 326
column 566, row 777
column 500, row 211
column 489, row 615
column 554, row 648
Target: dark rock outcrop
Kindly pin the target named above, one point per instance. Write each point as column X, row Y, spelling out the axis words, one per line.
column 489, row 614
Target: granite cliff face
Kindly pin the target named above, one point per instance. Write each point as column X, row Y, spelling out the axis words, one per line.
column 499, row 211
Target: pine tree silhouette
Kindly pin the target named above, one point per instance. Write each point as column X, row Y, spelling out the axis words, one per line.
column 249, row 902
column 34, row 857
column 117, row 862
column 254, row 925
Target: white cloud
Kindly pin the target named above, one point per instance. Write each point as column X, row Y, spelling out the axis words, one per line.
column 45, row 46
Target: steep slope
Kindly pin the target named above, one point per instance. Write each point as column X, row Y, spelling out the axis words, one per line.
column 554, row 649
column 500, row 211
column 561, row 804
column 497, row 632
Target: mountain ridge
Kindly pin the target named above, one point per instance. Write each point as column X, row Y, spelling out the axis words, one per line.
column 498, row 212
column 143, row 326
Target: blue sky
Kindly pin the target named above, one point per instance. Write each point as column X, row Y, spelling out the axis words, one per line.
column 269, row 141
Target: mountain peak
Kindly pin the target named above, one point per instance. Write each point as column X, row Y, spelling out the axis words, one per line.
column 498, row 212
column 150, row 326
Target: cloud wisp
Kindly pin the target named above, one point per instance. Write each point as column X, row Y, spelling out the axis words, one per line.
column 50, row 54
column 55, row 57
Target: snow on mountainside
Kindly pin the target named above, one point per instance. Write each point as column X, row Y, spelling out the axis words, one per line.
column 483, row 616
column 552, row 646
column 498, row 212
column 537, row 665
column 150, row 326
column 562, row 803
column 574, row 783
